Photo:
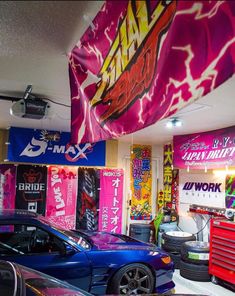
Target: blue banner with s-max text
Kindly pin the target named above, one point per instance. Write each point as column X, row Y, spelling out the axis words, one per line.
column 51, row 147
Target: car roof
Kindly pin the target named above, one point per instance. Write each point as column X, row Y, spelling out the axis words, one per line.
column 8, row 214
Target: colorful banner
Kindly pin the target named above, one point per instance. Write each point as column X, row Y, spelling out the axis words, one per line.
column 230, row 191
column 142, row 61
column 7, row 186
column 167, row 175
column 31, row 183
column 205, row 189
column 214, row 149
column 50, row 147
column 62, row 196
column 87, row 199
column 111, row 199
column 141, row 182
column 175, row 189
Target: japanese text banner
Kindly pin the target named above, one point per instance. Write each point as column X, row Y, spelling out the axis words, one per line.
column 142, row 61
column 111, row 199
column 62, row 196
column 214, row 149
column 141, row 182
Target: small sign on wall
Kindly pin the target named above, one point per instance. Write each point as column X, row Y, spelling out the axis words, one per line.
column 205, row 189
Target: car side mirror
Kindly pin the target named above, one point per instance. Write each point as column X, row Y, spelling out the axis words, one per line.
column 69, row 250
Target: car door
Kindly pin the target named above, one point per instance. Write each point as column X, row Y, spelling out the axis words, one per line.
column 36, row 248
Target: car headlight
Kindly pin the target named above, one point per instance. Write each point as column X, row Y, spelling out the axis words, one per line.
column 166, row 259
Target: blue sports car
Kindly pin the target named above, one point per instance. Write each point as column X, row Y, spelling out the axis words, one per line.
column 98, row 262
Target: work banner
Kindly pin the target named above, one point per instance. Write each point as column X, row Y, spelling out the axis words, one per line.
column 142, row 61
column 7, row 186
column 205, row 189
column 111, row 199
column 230, row 191
column 52, row 147
column 31, row 188
column 62, row 196
column 87, row 199
column 167, row 175
column 208, row 150
column 141, row 182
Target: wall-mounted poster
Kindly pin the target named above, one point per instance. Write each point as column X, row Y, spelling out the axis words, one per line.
column 230, row 191
column 204, row 189
column 87, row 199
column 52, row 147
column 111, row 199
column 142, row 61
column 7, row 186
column 213, row 149
column 141, row 182
column 167, row 175
column 61, row 198
column 31, row 182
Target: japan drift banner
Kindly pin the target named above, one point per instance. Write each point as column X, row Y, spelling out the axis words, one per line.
column 142, row 61
column 111, row 199
column 62, row 196
column 214, row 149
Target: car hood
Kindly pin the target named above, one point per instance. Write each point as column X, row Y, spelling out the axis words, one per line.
column 107, row 241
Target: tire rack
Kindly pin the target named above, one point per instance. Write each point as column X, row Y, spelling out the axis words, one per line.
column 222, row 249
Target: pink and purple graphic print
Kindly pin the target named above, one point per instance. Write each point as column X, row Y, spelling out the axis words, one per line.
column 111, row 199
column 142, row 61
column 62, row 196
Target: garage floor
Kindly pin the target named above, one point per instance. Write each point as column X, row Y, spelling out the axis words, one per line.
column 183, row 285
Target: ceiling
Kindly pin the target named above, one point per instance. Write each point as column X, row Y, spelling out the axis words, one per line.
column 35, row 38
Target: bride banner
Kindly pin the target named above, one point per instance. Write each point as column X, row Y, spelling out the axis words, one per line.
column 142, row 61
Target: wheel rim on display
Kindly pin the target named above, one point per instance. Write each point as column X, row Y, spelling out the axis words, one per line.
column 135, row 281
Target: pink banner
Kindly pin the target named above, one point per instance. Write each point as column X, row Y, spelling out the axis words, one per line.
column 61, row 196
column 214, row 149
column 111, row 198
column 142, row 61
column 7, row 186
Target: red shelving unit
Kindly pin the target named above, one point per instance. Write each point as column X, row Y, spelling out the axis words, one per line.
column 222, row 249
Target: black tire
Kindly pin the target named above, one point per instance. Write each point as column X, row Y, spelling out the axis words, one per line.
column 172, row 240
column 194, row 272
column 175, row 256
column 132, row 279
column 195, row 252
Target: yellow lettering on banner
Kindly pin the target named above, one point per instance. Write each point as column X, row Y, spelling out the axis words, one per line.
column 134, row 28
column 167, row 174
column 168, row 156
column 167, row 193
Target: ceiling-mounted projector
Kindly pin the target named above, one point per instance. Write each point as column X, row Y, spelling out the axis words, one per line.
column 30, row 108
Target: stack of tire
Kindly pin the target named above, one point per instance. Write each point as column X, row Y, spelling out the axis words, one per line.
column 194, row 261
column 172, row 242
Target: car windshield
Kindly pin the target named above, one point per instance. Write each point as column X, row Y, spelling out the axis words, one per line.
column 79, row 238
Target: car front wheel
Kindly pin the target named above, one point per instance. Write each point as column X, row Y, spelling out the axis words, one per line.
column 132, row 279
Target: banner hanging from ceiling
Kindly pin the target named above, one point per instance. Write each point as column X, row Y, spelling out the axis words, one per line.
column 210, row 150
column 142, row 61
column 62, row 196
column 51, row 147
column 111, row 199
column 141, row 182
